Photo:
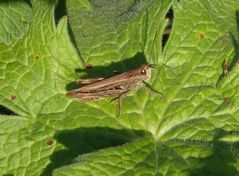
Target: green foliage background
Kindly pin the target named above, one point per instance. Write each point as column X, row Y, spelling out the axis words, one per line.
column 192, row 130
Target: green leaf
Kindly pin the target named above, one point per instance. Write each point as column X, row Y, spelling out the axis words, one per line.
column 22, row 151
column 15, row 17
column 30, row 81
column 115, row 161
column 192, row 130
column 118, row 28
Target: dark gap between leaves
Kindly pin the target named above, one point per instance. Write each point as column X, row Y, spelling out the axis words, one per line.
column 60, row 10
column 6, row 111
column 167, row 30
column 29, row 3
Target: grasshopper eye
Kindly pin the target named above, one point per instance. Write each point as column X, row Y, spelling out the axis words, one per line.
column 143, row 72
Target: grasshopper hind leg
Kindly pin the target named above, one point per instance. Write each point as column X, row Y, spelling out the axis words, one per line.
column 119, row 107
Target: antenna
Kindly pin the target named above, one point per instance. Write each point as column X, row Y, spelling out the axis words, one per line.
column 155, row 35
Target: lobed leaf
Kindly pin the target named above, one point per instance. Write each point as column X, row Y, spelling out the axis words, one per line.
column 192, row 130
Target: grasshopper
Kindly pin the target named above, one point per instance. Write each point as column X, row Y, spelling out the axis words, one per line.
column 115, row 87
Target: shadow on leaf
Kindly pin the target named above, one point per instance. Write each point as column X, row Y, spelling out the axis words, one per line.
column 222, row 161
column 86, row 140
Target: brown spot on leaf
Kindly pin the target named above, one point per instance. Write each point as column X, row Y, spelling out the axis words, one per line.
column 37, row 57
column 225, row 98
column 13, row 97
column 49, row 142
column 201, row 35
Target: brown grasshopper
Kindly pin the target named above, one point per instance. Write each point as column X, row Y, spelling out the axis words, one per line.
column 116, row 86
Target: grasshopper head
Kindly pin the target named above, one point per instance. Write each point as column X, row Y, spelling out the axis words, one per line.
column 145, row 71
